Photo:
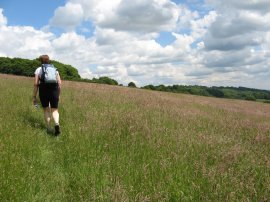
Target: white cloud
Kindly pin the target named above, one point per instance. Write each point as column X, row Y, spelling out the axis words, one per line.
column 67, row 17
column 200, row 26
column 261, row 6
column 3, row 19
column 185, row 17
column 97, row 10
column 143, row 15
column 237, row 41
column 76, row 50
column 138, row 16
column 24, row 42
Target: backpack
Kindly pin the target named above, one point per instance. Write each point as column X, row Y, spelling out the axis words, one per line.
column 49, row 73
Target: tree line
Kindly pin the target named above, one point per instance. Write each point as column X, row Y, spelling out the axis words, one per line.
column 219, row 92
column 26, row 67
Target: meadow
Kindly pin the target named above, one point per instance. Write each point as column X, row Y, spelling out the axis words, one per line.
column 125, row 144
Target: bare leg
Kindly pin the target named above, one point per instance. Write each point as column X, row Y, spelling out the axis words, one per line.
column 47, row 117
column 55, row 116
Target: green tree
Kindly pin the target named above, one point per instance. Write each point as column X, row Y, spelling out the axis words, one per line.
column 216, row 92
column 105, row 80
column 132, row 85
column 250, row 97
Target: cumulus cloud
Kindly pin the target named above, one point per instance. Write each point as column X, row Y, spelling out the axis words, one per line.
column 97, row 10
column 237, row 41
column 200, row 26
column 3, row 19
column 24, row 42
column 261, row 6
column 185, row 17
column 143, row 15
column 67, row 17
column 238, row 25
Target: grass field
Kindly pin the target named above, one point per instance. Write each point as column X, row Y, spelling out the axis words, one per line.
column 122, row 144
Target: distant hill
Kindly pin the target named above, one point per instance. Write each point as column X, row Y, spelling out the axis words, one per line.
column 26, row 67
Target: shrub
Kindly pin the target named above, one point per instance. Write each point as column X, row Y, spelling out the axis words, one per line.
column 132, row 85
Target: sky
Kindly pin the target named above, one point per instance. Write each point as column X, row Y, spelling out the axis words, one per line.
column 190, row 42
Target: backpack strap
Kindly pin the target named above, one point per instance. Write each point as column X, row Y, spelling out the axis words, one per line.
column 42, row 74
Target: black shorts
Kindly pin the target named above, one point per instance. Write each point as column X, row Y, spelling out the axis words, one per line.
column 49, row 94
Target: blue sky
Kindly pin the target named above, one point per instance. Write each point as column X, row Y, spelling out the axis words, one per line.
column 157, row 42
column 165, row 38
column 30, row 12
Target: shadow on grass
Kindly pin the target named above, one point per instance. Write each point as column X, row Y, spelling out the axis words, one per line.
column 36, row 123
column 33, row 122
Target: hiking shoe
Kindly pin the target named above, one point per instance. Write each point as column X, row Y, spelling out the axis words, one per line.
column 49, row 131
column 57, row 130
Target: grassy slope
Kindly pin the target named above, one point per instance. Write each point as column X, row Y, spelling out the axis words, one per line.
column 131, row 144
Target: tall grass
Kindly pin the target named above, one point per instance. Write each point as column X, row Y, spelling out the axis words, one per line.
column 121, row 144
